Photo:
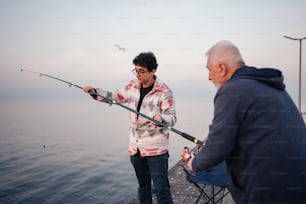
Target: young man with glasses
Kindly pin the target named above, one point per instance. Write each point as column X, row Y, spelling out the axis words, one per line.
column 148, row 143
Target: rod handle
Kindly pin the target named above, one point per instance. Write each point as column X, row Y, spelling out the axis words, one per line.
column 191, row 138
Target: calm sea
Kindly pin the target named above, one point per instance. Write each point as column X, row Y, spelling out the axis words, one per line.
column 75, row 150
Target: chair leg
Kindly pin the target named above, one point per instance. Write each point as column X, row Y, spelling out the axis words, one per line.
column 202, row 192
column 212, row 198
column 214, row 195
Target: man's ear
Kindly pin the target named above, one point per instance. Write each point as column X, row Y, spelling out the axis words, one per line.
column 223, row 70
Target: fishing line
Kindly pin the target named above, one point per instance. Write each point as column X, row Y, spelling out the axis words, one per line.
column 52, row 77
column 110, row 101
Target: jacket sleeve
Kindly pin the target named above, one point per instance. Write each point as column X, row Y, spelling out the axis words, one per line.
column 222, row 134
column 167, row 107
column 120, row 95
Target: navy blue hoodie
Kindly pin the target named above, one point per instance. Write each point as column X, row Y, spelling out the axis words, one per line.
column 260, row 133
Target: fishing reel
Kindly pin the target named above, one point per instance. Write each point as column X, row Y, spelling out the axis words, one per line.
column 187, row 154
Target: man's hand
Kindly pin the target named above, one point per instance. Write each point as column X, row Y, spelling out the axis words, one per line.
column 187, row 156
column 87, row 89
column 189, row 163
column 158, row 118
column 92, row 91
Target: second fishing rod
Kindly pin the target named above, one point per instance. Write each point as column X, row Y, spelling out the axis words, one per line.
column 110, row 101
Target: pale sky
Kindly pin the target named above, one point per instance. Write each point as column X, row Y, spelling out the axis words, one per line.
column 75, row 40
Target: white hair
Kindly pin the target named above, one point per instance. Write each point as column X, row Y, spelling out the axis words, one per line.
column 227, row 53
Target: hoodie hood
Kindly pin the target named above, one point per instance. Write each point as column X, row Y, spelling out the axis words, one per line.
column 269, row 76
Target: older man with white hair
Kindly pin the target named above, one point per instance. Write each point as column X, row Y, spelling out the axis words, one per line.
column 257, row 129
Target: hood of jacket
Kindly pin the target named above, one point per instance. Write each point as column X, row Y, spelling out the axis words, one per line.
column 269, row 76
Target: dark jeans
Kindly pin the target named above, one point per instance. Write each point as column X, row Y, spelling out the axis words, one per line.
column 155, row 168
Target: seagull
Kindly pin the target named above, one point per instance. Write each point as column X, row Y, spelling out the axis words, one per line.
column 120, row 48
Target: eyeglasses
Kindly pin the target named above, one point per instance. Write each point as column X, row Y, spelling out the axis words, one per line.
column 140, row 72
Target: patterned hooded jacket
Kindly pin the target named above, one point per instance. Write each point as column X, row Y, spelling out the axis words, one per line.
column 150, row 139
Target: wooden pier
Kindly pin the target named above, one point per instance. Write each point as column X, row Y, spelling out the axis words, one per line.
column 183, row 191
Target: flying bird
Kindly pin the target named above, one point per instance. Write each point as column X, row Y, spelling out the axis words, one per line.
column 120, row 48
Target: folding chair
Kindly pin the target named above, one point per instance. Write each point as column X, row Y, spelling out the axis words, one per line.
column 215, row 179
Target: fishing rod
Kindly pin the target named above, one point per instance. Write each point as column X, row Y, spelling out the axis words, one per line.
column 110, row 101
